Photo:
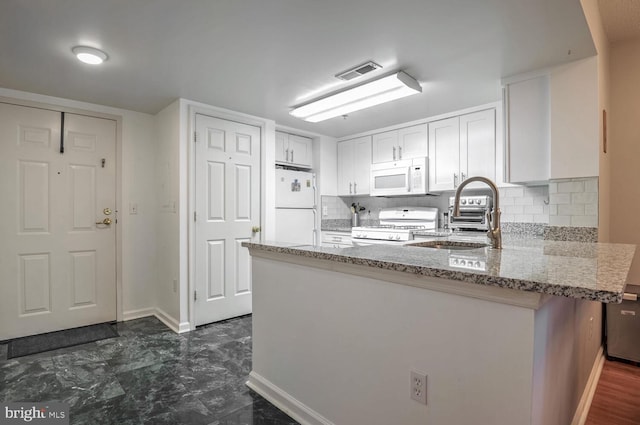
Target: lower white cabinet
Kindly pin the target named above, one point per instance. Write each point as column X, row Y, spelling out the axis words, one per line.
column 334, row 239
column 354, row 166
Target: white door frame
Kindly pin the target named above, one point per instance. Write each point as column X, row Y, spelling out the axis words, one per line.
column 118, row 120
column 228, row 115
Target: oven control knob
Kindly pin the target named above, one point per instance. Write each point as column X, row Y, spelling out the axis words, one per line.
column 463, row 201
column 390, row 237
column 398, row 237
column 477, row 201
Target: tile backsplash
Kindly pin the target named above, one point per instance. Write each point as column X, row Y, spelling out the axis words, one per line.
column 564, row 202
column 573, row 202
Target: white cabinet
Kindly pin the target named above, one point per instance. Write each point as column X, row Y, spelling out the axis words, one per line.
column 462, row 147
column 294, row 150
column 527, row 130
column 405, row 143
column 334, row 239
column 354, row 166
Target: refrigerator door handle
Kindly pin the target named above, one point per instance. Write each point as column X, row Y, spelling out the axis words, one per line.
column 315, row 232
column 630, row 297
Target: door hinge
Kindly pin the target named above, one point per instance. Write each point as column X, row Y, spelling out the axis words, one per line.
column 195, row 136
column 195, row 215
column 195, row 295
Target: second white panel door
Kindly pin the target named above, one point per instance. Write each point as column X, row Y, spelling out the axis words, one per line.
column 227, row 190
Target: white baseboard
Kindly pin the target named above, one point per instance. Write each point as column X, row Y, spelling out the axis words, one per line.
column 285, row 402
column 137, row 314
column 161, row 315
column 172, row 323
column 582, row 411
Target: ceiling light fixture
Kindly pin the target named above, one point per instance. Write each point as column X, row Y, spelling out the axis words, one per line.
column 385, row 89
column 89, row 55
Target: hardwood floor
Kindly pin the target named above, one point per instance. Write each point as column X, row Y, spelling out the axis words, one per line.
column 617, row 397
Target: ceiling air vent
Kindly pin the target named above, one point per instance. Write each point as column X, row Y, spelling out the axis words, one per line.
column 358, row 71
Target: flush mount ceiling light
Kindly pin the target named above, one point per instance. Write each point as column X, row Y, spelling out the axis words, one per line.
column 385, row 89
column 89, row 55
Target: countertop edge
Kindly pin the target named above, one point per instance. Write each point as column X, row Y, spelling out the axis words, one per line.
column 468, row 277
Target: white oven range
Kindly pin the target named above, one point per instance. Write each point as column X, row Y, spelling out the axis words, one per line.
column 396, row 226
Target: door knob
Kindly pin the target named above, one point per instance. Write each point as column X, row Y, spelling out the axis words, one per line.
column 106, row 221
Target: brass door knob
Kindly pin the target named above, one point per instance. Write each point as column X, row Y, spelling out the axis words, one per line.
column 106, row 221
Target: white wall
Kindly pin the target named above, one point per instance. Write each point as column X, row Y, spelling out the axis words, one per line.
column 625, row 146
column 167, row 135
column 138, row 265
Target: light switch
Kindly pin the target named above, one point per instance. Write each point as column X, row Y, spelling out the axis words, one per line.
column 133, row 208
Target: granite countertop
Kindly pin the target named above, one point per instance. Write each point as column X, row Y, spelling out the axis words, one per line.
column 336, row 229
column 592, row 271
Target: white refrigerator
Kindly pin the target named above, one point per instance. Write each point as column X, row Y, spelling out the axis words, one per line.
column 295, row 207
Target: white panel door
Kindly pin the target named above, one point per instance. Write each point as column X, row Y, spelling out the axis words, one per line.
column 227, row 190
column 57, row 266
column 444, row 154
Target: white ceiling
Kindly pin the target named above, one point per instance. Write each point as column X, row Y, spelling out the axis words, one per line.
column 262, row 57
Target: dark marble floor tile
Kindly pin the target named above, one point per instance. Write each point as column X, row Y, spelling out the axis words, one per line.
column 228, row 398
column 116, row 411
column 260, row 412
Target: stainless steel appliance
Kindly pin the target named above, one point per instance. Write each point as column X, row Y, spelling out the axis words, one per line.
column 396, row 226
column 623, row 326
column 473, row 213
column 404, row 177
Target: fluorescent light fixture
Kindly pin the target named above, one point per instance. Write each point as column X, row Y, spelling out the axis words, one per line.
column 369, row 94
column 89, row 55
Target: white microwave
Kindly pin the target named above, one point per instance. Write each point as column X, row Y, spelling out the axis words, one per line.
column 398, row 178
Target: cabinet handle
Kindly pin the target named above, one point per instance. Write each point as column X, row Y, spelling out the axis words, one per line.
column 394, row 153
column 355, row 186
column 399, row 152
column 350, row 185
column 291, row 155
column 286, row 154
column 455, row 180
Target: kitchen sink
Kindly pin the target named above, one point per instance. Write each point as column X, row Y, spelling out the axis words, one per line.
column 451, row 245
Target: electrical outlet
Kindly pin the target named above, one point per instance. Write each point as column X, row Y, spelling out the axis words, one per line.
column 419, row 387
column 325, row 210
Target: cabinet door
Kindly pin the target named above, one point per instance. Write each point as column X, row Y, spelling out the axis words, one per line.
column 300, row 149
column 527, row 130
column 282, row 142
column 361, row 165
column 384, row 147
column 478, row 144
column 444, row 154
column 345, row 168
column 412, row 142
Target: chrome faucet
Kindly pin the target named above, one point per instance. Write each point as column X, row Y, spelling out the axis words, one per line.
column 494, row 233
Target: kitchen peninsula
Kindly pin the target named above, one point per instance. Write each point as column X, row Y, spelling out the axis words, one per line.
column 337, row 332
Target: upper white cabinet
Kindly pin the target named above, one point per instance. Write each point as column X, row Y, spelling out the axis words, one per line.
column 354, row 166
column 405, row 143
column 462, row 147
column 527, row 130
column 294, row 150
